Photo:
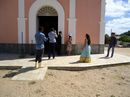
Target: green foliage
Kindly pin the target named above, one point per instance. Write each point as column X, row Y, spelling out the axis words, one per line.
column 112, row 96
column 97, row 95
column 125, row 38
column 126, row 33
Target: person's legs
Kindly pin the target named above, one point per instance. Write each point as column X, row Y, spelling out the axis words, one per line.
column 59, row 49
column 108, row 51
column 37, row 58
column 49, row 51
column 40, row 57
column 112, row 51
column 53, row 50
column 69, row 52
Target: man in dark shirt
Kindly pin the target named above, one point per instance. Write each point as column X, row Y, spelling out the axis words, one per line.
column 112, row 44
column 59, row 42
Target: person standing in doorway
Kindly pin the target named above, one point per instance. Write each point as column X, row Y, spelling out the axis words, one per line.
column 40, row 39
column 59, row 42
column 112, row 44
column 69, row 45
column 52, row 42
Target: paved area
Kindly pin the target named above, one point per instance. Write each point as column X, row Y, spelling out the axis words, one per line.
column 30, row 73
column 27, row 72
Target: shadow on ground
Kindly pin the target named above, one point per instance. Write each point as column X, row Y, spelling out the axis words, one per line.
column 17, row 71
column 13, row 57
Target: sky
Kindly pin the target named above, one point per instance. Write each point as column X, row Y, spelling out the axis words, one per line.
column 117, row 16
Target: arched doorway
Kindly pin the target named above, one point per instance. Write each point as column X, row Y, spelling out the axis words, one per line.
column 33, row 16
column 47, row 17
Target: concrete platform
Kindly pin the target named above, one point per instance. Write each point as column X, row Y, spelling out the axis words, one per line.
column 27, row 72
column 97, row 60
column 30, row 73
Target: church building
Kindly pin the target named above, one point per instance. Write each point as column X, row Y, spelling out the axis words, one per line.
column 20, row 20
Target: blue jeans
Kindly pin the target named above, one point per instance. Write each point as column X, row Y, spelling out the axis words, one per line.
column 110, row 46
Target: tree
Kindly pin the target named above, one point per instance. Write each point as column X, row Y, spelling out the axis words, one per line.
column 126, row 33
column 125, row 38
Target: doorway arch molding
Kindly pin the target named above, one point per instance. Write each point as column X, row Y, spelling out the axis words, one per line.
column 36, row 6
column 47, row 11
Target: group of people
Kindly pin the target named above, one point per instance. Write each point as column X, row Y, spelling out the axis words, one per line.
column 54, row 40
column 52, row 35
column 40, row 40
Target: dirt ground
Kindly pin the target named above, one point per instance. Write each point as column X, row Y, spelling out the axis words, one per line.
column 94, row 82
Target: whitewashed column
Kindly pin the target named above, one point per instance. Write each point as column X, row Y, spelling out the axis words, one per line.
column 21, row 21
column 72, row 21
column 102, row 22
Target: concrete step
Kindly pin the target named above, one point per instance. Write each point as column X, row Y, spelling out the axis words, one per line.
column 30, row 73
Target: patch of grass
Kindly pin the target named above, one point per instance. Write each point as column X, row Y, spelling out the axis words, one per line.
column 38, row 91
column 97, row 95
column 122, row 77
column 113, row 96
column 32, row 82
column 103, row 78
column 50, row 74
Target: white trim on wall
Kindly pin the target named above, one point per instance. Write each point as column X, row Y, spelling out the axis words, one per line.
column 72, row 21
column 21, row 21
column 102, row 22
column 36, row 6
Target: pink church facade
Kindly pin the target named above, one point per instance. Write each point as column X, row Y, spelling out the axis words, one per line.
column 20, row 19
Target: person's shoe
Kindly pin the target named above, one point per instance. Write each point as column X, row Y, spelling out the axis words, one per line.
column 106, row 56
column 44, row 65
column 39, row 65
column 36, row 65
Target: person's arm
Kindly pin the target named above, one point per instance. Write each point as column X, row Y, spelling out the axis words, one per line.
column 44, row 38
column 55, row 34
column 84, row 43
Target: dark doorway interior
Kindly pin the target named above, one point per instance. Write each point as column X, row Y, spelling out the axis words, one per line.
column 48, row 22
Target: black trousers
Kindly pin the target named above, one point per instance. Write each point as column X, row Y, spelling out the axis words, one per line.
column 112, row 53
column 39, row 54
column 58, row 49
column 51, row 50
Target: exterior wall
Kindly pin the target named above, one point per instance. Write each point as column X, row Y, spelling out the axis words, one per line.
column 88, row 15
column 65, row 4
column 8, row 21
column 88, row 18
column 28, row 4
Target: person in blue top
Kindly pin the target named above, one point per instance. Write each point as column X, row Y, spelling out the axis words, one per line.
column 40, row 39
column 52, row 42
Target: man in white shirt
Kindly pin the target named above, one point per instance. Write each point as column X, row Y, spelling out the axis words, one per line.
column 52, row 42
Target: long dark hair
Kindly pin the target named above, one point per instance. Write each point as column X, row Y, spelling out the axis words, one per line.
column 88, row 38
